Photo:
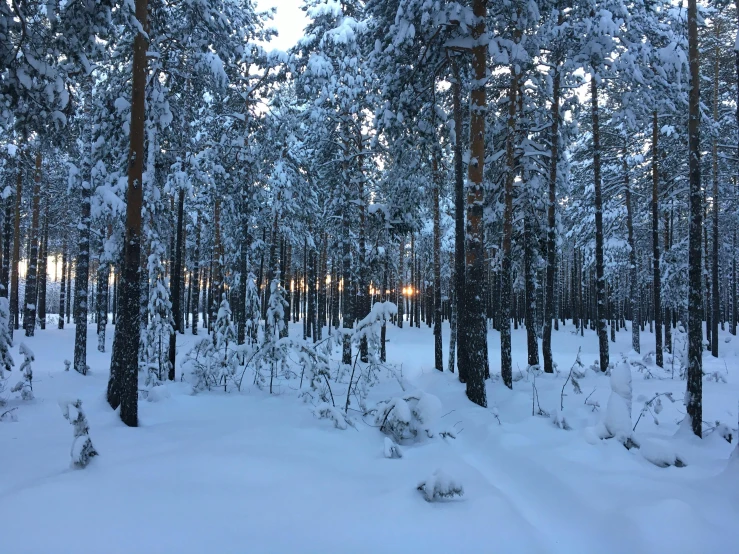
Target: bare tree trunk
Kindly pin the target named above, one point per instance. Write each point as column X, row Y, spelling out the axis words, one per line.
column 346, row 268
column 196, row 279
column 14, row 308
column 29, row 317
column 551, row 222
column 506, row 285
column 668, row 312
column 460, row 328
column 102, row 303
column 81, row 275
column 178, row 323
column 657, row 288
column 474, row 252
column 63, row 286
column 715, row 316
column 600, row 280
column 43, row 269
column 695, row 301
column 633, row 273
column 400, row 285
column 438, row 349
column 123, row 383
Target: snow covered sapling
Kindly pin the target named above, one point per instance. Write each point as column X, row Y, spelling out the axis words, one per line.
column 67, row 365
column 6, row 361
column 576, row 372
column 618, row 412
column 339, row 418
column 440, row 487
column 25, row 385
column 82, row 448
column 653, row 407
column 225, row 336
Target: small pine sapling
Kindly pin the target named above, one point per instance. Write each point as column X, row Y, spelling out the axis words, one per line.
column 225, row 336
column 618, row 412
column 25, row 385
column 82, row 449
column 440, row 487
column 67, row 365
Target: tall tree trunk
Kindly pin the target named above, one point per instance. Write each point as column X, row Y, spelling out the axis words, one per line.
column 532, row 345
column 178, row 324
column 43, row 268
column 346, row 267
column 460, row 330
column 123, row 383
column 474, row 251
column 715, row 316
column 103, row 273
column 438, row 349
column 600, row 280
column 29, row 313
column 695, row 301
column 551, row 221
column 63, row 286
column 14, row 296
column 634, row 303
column 7, row 240
column 657, row 289
column 400, row 284
column 81, row 277
column 506, row 285
column 668, row 311
column 196, row 278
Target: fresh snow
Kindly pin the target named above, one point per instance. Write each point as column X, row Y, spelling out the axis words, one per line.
column 253, row 472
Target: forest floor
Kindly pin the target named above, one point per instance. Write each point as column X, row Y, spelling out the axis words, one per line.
column 253, row 472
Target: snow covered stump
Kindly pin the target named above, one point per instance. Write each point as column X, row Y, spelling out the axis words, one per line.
column 82, row 448
column 25, row 385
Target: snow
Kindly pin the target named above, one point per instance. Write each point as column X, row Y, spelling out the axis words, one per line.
column 249, row 471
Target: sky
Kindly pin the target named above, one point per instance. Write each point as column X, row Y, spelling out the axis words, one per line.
column 289, row 21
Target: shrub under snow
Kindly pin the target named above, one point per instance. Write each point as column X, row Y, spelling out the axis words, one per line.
column 439, row 487
column 410, row 417
column 618, row 411
column 391, row 449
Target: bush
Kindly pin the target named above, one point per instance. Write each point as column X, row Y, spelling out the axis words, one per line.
column 440, row 487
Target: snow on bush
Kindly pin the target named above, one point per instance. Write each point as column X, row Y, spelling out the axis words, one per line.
column 660, row 453
column 327, row 411
column 6, row 361
column 410, row 417
column 82, row 448
column 25, row 385
column 440, row 487
column 392, row 450
column 618, row 412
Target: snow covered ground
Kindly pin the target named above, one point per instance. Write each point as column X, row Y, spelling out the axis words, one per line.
column 250, row 472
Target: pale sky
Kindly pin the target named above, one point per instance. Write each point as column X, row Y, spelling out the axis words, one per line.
column 289, row 21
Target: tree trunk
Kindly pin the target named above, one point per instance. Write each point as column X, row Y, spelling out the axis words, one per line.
column 506, row 285
column 178, row 323
column 460, row 332
column 695, row 301
column 43, row 269
column 551, row 223
column 474, row 252
column 102, row 303
column 438, row 349
column 123, row 383
column 196, row 279
column 346, row 268
column 657, row 288
column 634, row 303
column 63, row 286
column 29, row 313
column 532, row 345
column 14, row 311
column 81, row 279
column 600, row 280
column 715, row 316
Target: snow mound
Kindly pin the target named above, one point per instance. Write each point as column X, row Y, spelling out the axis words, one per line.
column 391, row 449
column 440, row 487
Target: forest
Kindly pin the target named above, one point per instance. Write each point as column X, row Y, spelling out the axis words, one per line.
column 492, row 190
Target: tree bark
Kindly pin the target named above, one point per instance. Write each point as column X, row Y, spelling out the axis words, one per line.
column 657, row 287
column 715, row 316
column 43, row 268
column 551, row 222
column 438, row 349
column 506, row 288
column 123, row 383
column 474, row 252
column 634, row 303
column 29, row 313
column 695, row 323
column 178, row 322
column 600, row 280
column 14, row 308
